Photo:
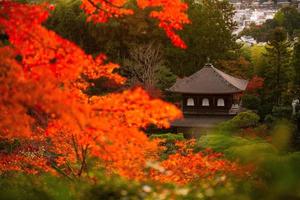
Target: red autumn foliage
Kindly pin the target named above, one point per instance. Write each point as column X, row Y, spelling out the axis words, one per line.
column 255, row 83
column 185, row 166
column 47, row 121
column 43, row 101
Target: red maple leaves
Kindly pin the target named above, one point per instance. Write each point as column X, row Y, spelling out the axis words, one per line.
column 186, row 166
column 47, row 102
column 255, row 83
column 170, row 14
column 47, row 121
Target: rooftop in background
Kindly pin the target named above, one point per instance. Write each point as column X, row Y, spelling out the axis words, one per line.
column 209, row 80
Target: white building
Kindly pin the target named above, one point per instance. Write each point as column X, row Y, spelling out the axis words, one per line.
column 245, row 17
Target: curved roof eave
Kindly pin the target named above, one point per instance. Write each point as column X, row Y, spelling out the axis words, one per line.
column 209, row 80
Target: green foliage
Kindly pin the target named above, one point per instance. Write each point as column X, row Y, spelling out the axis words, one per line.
column 221, row 142
column 168, row 137
column 242, row 120
column 276, row 176
column 276, row 166
column 286, row 17
column 282, row 112
column 269, row 119
column 34, row 187
column 277, row 76
column 296, row 66
column 282, row 134
column 251, row 101
column 208, row 36
column 281, row 173
column 114, row 38
column 169, row 141
column 165, row 78
column 257, row 58
column 69, row 21
column 289, row 18
column 252, row 151
column 274, row 61
column 260, row 33
column 237, row 148
column 47, row 187
column 115, row 188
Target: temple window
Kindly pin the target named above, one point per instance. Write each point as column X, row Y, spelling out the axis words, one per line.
column 220, row 102
column 205, row 102
column 190, row 102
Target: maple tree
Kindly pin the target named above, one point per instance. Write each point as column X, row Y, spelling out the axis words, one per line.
column 255, row 83
column 47, row 122
column 48, row 82
column 170, row 14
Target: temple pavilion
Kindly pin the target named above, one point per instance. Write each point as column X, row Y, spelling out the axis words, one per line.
column 210, row 92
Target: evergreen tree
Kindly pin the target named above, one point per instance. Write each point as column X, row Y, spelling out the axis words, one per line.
column 278, row 55
column 296, row 65
column 208, row 36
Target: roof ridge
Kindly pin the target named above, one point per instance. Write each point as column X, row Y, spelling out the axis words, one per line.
column 234, row 79
column 209, row 80
column 217, row 71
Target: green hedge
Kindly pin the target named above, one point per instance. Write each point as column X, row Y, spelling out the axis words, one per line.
column 251, row 101
column 242, row 120
column 168, row 137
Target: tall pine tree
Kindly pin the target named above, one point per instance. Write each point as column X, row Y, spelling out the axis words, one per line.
column 278, row 55
column 296, row 65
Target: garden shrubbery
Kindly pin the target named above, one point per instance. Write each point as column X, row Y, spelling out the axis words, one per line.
column 276, row 166
column 169, row 142
column 48, row 187
column 251, row 101
column 282, row 112
column 275, row 169
column 168, row 137
column 245, row 119
column 242, row 120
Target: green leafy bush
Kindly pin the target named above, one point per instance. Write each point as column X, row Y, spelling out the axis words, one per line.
column 115, row 188
column 276, row 169
column 235, row 147
column 16, row 186
column 251, row 101
column 242, row 120
column 246, row 119
column 269, row 119
column 168, row 137
column 282, row 112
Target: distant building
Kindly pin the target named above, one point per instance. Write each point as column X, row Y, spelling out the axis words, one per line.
column 267, row 5
column 283, row 3
column 208, row 97
column 248, row 40
column 245, row 17
column 210, row 92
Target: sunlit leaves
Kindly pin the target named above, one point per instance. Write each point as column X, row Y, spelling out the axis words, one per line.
column 171, row 14
column 42, row 103
column 56, row 125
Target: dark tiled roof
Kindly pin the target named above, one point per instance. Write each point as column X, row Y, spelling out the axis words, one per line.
column 209, row 80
